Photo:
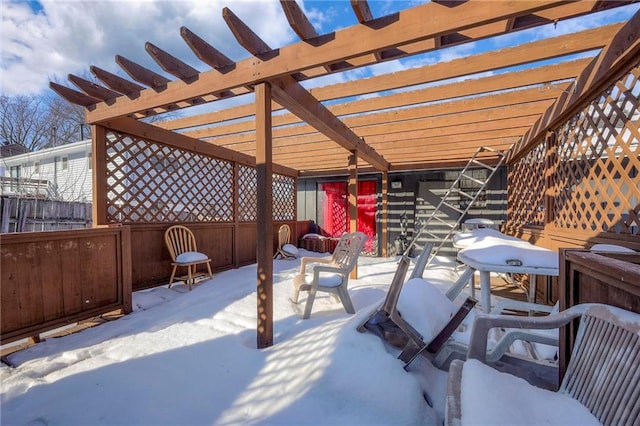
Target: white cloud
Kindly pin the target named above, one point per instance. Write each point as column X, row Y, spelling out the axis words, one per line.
column 68, row 36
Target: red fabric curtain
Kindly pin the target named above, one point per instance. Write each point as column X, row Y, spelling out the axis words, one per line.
column 335, row 213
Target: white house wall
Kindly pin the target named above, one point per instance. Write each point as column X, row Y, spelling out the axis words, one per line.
column 73, row 183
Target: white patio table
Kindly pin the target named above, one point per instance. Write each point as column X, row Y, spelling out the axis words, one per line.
column 487, row 251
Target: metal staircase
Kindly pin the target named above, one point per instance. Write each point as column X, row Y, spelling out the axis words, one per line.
column 455, row 194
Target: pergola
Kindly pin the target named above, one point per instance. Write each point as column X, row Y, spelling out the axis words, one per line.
column 433, row 116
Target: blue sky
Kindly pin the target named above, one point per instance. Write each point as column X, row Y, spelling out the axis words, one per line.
column 48, row 39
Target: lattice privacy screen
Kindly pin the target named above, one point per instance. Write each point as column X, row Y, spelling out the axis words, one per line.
column 150, row 182
column 526, row 189
column 592, row 168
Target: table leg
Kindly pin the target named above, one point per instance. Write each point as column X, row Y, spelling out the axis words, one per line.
column 532, row 288
column 485, row 291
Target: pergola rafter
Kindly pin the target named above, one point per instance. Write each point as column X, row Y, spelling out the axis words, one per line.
column 299, row 101
column 404, row 29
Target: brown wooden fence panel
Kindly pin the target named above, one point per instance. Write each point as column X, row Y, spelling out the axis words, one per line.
column 587, row 277
column 50, row 279
column 246, row 237
column 151, row 263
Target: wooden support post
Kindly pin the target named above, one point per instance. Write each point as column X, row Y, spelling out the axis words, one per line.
column 264, row 168
column 353, row 199
column 384, row 215
column 99, row 164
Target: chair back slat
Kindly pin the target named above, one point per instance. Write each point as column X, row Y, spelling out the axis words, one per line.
column 604, row 371
column 179, row 239
column 348, row 249
column 284, row 234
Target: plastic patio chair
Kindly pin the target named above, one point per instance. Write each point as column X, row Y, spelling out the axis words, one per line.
column 285, row 249
column 184, row 253
column 602, row 374
column 330, row 274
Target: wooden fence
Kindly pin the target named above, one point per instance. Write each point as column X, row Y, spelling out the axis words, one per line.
column 581, row 185
column 228, row 245
column 51, row 279
column 587, row 277
column 38, row 214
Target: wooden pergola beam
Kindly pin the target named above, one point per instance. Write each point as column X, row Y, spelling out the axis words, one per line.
column 170, row 63
column 300, row 24
column 73, row 96
column 407, row 28
column 115, row 82
column 527, row 53
column 363, row 13
column 491, row 84
column 205, row 52
column 150, row 132
column 525, row 99
column 300, row 102
column 92, row 89
column 289, row 93
column 508, row 57
column 298, row 21
column 245, row 35
column 402, row 121
column 141, row 74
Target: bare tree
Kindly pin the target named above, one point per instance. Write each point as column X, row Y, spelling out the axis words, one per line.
column 38, row 122
column 67, row 122
column 24, row 121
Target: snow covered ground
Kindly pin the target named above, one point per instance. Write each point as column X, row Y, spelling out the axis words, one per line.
column 190, row 358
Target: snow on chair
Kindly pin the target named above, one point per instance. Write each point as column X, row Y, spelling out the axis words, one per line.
column 181, row 244
column 285, row 249
column 601, row 384
column 330, row 274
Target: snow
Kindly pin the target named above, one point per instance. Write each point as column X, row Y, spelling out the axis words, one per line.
column 425, row 307
column 190, row 358
column 490, row 397
column 491, row 250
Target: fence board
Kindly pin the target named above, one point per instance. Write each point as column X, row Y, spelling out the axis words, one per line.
column 51, row 278
column 30, row 289
column 9, row 290
column 56, row 278
column 70, row 264
column 37, row 214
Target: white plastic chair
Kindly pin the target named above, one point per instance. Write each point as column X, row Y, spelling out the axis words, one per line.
column 330, row 274
column 602, row 375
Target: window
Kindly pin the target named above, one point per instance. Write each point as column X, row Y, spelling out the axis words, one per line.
column 89, row 161
column 36, row 168
column 15, row 171
column 15, row 175
column 65, row 163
